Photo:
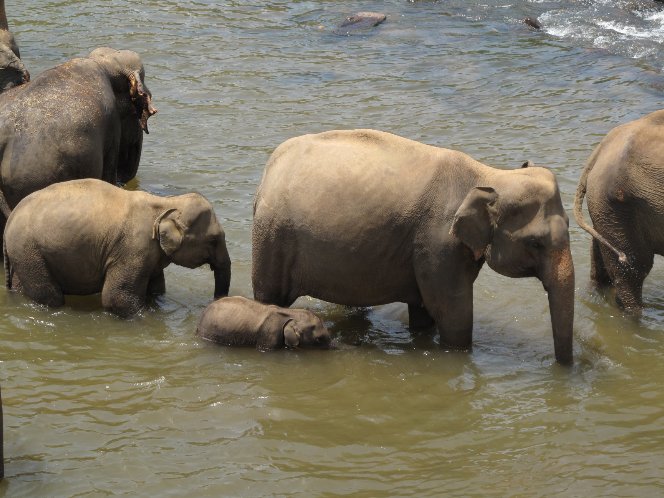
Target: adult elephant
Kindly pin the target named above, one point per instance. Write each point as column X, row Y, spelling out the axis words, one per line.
column 623, row 183
column 82, row 119
column 12, row 70
column 365, row 217
column 85, row 236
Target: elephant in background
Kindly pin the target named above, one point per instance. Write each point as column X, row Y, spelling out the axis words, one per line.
column 82, row 119
column 87, row 236
column 623, row 183
column 12, row 70
column 364, row 217
column 238, row 321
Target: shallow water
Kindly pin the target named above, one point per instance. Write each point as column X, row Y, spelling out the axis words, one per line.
column 95, row 405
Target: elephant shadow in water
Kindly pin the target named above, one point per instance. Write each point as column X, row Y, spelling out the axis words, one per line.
column 381, row 327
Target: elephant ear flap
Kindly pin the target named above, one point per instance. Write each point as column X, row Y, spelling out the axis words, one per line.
column 141, row 98
column 291, row 334
column 473, row 222
column 168, row 231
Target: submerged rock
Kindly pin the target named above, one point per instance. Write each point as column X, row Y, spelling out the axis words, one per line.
column 533, row 22
column 359, row 22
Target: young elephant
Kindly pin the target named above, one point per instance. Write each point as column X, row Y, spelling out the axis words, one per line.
column 87, row 236
column 364, row 217
column 623, row 182
column 238, row 321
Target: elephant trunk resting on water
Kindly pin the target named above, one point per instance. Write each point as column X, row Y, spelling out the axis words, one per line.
column 623, row 183
column 87, row 236
column 365, row 218
column 238, row 321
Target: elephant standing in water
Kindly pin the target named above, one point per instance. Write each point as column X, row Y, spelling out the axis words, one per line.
column 87, row 236
column 623, row 183
column 82, row 119
column 365, row 217
column 238, row 321
column 12, row 70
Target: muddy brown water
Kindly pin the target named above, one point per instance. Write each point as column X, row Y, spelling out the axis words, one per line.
column 96, row 406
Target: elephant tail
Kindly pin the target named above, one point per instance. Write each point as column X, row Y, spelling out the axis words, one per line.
column 578, row 206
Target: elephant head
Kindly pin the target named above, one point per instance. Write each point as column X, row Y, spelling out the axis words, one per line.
column 12, row 70
column 190, row 236
column 127, row 77
column 518, row 224
column 304, row 329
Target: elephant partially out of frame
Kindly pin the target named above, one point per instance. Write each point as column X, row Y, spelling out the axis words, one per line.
column 623, row 184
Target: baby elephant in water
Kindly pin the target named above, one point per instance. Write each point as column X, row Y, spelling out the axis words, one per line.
column 88, row 236
column 238, row 321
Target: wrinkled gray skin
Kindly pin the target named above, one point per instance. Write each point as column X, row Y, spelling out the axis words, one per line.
column 364, row 218
column 87, row 236
column 12, row 70
column 238, row 321
column 82, row 119
column 623, row 183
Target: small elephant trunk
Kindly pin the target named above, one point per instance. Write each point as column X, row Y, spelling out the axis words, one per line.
column 221, row 267
column 558, row 280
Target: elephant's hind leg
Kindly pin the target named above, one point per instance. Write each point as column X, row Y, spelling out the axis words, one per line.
column 628, row 278
column 598, row 274
column 124, row 291
column 34, row 279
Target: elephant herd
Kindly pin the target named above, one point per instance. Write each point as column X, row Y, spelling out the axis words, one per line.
column 353, row 217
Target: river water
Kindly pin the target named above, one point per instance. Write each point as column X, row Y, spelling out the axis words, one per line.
column 96, row 406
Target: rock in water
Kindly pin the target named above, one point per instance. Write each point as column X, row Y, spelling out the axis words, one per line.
column 359, row 22
column 532, row 22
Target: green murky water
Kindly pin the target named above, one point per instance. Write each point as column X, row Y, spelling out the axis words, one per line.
column 95, row 405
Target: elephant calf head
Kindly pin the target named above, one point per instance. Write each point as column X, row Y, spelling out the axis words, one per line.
column 305, row 329
column 190, row 236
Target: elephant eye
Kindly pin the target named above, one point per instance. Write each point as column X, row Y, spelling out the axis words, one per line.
column 535, row 243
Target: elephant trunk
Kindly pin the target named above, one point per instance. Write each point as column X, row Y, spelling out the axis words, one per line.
column 3, row 17
column 558, row 280
column 221, row 266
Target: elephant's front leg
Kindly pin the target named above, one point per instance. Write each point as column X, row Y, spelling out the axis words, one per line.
column 125, row 290
column 157, row 284
column 453, row 314
column 447, row 292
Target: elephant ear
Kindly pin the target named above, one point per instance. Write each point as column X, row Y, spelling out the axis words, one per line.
column 168, row 231
column 291, row 334
column 141, row 98
column 474, row 220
